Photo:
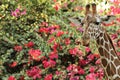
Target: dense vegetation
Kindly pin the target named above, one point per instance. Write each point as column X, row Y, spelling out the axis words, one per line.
column 37, row 41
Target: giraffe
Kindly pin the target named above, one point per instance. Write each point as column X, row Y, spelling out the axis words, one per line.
column 109, row 59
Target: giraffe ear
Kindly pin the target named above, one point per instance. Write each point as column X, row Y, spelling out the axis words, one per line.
column 108, row 18
column 76, row 20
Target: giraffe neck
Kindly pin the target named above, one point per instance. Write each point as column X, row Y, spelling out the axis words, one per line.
column 110, row 60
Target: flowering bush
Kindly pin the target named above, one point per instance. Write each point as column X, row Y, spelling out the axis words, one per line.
column 37, row 42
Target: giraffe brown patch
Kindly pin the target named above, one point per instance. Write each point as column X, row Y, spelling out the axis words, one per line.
column 112, row 58
column 98, row 41
column 102, row 42
column 106, row 54
column 104, row 62
column 116, row 62
column 113, row 69
column 118, row 71
column 108, row 70
column 106, row 37
column 100, row 49
column 107, row 46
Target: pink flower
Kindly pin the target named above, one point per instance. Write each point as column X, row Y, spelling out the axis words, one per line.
column 18, row 13
column 91, row 76
column 100, row 74
column 75, row 78
column 23, row 13
column 11, row 78
column 29, row 44
column 34, row 72
column 98, row 61
column 70, row 67
column 114, row 36
column 73, row 51
column 118, row 53
column 35, row 54
column 58, row 73
column 90, row 57
column 59, row 33
column 13, row 13
column 80, row 53
column 44, row 24
column 18, row 48
column 53, row 55
column 87, row 49
column 67, row 41
column 17, row 10
column 92, row 69
column 48, row 77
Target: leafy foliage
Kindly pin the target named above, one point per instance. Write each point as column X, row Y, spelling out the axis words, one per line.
column 37, row 41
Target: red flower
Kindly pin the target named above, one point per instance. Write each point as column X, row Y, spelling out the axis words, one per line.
column 50, row 63
column 48, row 77
column 13, row 64
column 82, row 62
column 53, row 55
column 45, row 30
column 55, row 0
column 21, row 78
column 67, row 41
column 57, row 6
column 35, row 54
column 18, row 48
column 81, row 71
column 11, row 78
column 73, row 51
column 34, row 72
column 45, row 64
column 96, row 55
column 59, row 33
column 55, row 46
column 51, row 39
column 29, row 44
column 70, row 67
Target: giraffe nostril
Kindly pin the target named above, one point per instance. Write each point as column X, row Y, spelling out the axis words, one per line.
column 97, row 23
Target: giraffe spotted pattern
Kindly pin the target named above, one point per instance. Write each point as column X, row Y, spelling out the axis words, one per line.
column 109, row 59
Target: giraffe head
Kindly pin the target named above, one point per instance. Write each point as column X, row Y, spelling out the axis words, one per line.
column 93, row 27
column 91, row 24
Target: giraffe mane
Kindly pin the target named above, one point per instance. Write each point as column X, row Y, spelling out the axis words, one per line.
column 111, row 42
